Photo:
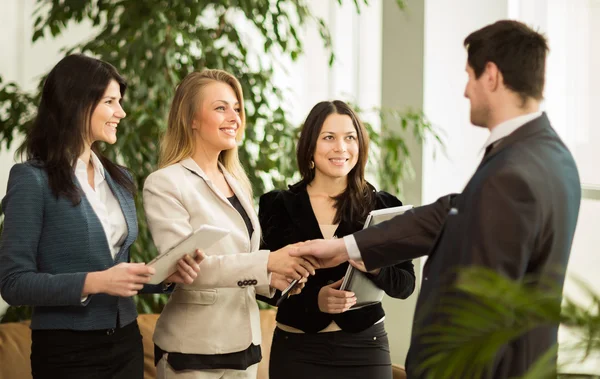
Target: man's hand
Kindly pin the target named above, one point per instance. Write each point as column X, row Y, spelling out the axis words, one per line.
column 281, row 262
column 187, row 269
column 332, row 300
column 328, row 253
column 361, row 266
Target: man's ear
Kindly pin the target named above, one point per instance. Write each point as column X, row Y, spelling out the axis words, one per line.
column 493, row 76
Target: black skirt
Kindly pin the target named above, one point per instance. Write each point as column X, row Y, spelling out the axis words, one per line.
column 98, row 354
column 331, row 355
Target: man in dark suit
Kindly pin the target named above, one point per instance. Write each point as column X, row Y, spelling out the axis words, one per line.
column 516, row 215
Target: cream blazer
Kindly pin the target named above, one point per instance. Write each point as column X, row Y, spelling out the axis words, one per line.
column 216, row 314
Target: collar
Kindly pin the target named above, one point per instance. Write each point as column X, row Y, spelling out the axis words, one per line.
column 191, row 165
column 508, row 127
column 81, row 168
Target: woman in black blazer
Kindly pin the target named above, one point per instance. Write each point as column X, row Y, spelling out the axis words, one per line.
column 316, row 336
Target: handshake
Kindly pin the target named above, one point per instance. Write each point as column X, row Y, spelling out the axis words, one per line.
column 298, row 261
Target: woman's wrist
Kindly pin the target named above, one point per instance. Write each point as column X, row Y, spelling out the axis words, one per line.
column 92, row 284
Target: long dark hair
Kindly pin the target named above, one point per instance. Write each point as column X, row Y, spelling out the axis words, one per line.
column 357, row 200
column 57, row 136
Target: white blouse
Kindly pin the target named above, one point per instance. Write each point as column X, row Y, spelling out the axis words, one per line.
column 104, row 202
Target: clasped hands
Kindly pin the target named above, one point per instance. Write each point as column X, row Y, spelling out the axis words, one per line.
column 299, row 260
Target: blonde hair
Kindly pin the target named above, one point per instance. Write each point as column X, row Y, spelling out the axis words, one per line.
column 178, row 141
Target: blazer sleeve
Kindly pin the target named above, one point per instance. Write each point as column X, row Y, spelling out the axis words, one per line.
column 169, row 223
column 20, row 282
column 405, row 237
column 397, row 281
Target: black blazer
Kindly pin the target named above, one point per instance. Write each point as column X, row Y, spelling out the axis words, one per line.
column 517, row 216
column 287, row 217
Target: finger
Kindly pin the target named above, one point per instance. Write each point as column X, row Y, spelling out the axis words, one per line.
column 301, row 270
column 313, row 261
column 199, row 257
column 359, row 266
column 135, row 286
column 140, row 269
column 341, row 294
column 187, row 274
column 191, row 262
column 305, row 249
column 337, row 284
column 142, row 279
column 185, row 268
column 307, row 266
column 343, row 301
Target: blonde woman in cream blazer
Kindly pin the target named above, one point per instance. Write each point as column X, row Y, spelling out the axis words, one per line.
column 211, row 328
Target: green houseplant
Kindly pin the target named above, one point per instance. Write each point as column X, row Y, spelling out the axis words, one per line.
column 154, row 44
column 491, row 310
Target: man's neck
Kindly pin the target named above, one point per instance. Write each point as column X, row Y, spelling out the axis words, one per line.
column 509, row 111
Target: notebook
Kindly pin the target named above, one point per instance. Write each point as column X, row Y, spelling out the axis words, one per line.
column 367, row 293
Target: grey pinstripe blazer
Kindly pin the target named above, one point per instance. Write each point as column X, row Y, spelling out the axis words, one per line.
column 47, row 248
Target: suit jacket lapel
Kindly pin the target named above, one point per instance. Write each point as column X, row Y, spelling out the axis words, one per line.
column 532, row 127
column 191, row 165
column 128, row 209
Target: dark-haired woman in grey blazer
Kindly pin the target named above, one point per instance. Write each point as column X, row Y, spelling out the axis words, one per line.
column 69, row 222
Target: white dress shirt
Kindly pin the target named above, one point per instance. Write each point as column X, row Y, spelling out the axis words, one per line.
column 507, row 127
column 104, row 203
column 500, row 131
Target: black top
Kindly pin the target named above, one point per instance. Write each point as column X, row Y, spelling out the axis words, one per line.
column 240, row 360
column 238, row 206
column 287, row 217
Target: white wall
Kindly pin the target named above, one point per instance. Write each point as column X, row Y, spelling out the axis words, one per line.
column 447, row 23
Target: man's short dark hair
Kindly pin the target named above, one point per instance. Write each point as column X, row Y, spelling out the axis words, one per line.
column 517, row 50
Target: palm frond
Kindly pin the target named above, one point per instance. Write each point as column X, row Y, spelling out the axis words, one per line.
column 487, row 310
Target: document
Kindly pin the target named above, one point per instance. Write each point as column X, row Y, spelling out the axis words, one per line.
column 203, row 238
column 367, row 293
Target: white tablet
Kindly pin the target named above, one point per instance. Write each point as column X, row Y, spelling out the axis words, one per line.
column 203, row 238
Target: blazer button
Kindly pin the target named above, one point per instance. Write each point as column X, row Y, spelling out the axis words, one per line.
column 240, row 284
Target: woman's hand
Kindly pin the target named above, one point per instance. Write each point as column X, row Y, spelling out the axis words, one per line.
column 124, row 280
column 280, row 283
column 333, row 300
column 187, row 269
column 282, row 263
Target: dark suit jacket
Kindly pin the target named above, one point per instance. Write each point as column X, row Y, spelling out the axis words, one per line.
column 47, row 248
column 287, row 217
column 517, row 216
